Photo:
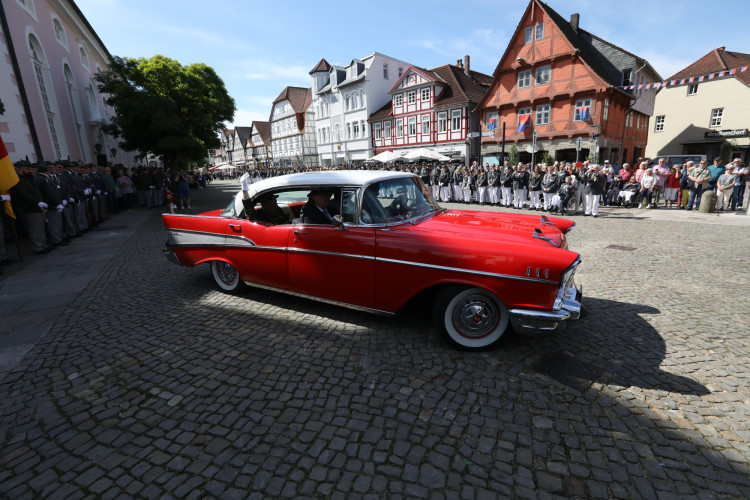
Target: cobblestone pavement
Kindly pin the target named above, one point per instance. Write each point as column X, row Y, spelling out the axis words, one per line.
column 156, row 385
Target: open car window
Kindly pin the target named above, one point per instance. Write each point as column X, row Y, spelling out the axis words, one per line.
column 396, row 200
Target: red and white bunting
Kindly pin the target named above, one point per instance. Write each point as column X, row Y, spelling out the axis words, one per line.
column 691, row 79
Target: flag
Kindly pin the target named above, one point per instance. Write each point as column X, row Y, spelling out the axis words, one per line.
column 583, row 113
column 711, row 76
column 492, row 123
column 692, row 79
column 8, row 176
column 640, row 86
column 682, row 82
column 674, row 82
column 648, row 86
column 733, row 72
column 743, row 69
column 721, row 73
column 523, row 120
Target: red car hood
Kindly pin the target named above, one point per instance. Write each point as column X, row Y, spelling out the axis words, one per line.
column 499, row 226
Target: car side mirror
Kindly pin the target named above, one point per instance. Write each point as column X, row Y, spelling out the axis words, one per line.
column 338, row 222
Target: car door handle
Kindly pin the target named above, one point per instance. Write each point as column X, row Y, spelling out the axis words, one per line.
column 297, row 233
column 235, row 227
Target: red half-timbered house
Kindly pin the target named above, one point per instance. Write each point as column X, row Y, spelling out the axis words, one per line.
column 564, row 83
column 432, row 109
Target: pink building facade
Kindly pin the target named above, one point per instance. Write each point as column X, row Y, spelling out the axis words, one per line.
column 53, row 110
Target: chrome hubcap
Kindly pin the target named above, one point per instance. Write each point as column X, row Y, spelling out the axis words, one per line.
column 227, row 273
column 475, row 317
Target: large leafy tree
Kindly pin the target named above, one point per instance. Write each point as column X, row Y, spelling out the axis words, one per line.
column 165, row 108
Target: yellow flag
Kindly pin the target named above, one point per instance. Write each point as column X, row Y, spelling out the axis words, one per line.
column 8, row 176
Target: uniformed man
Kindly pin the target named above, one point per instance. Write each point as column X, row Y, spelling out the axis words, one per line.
column 51, row 195
column 29, row 206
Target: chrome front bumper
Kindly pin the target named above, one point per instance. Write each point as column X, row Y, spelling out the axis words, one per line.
column 532, row 321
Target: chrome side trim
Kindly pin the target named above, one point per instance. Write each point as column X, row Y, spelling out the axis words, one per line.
column 319, row 299
column 190, row 238
column 337, row 254
column 465, row 271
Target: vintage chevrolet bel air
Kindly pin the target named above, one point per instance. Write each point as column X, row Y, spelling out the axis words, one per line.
column 387, row 243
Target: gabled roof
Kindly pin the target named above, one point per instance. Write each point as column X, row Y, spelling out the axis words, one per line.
column 321, row 66
column 297, row 97
column 244, row 135
column 384, row 112
column 717, row 60
column 462, row 88
column 264, row 131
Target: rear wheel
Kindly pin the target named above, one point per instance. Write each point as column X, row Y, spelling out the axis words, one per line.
column 226, row 277
column 470, row 318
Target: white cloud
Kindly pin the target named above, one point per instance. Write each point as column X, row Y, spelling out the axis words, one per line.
column 264, row 70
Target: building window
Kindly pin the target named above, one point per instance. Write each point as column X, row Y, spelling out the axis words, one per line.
column 692, row 89
column 491, row 118
column 528, row 33
column 399, row 128
column 363, row 126
column 39, row 71
column 400, row 71
column 348, row 103
column 716, row 115
column 543, row 74
column 84, row 57
column 425, row 124
column 74, row 106
column 627, row 77
column 443, row 122
column 605, row 111
column 60, row 33
column 385, row 71
column 355, row 129
column 348, row 130
column 542, row 114
column 522, row 112
column 524, row 78
column 659, row 125
column 397, row 100
column 539, row 31
column 412, row 125
column 425, row 94
column 583, row 110
column 455, row 120
column 411, row 97
column 387, row 130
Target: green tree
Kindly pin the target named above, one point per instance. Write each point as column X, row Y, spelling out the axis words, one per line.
column 165, row 108
column 513, row 155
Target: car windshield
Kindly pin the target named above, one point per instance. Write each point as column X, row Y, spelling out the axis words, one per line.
column 396, row 200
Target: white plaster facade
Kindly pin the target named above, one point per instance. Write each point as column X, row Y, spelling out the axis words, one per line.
column 293, row 143
column 711, row 117
column 344, row 97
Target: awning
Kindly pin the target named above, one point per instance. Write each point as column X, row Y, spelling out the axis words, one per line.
column 704, row 141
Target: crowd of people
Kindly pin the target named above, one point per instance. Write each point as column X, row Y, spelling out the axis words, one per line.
column 573, row 188
column 55, row 202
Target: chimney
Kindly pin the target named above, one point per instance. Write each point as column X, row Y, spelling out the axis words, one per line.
column 466, row 64
column 458, row 63
column 574, row 18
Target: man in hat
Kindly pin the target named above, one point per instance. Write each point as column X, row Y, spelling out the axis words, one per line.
column 269, row 211
column 315, row 211
column 50, row 191
column 29, row 206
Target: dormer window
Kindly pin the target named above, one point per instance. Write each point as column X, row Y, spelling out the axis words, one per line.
column 627, row 77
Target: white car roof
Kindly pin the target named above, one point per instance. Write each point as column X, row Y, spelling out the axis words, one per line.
column 325, row 178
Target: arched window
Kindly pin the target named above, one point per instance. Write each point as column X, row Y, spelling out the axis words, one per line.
column 75, row 108
column 59, row 33
column 84, row 57
column 44, row 82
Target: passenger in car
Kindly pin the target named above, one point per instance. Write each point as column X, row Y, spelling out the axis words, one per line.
column 269, row 211
column 315, row 211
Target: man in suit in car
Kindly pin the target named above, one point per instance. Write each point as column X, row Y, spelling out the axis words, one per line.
column 315, row 211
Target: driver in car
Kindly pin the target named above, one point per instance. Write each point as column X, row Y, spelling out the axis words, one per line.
column 315, row 211
column 269, row 211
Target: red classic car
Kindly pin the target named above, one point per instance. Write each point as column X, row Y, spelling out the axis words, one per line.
column 382, row 242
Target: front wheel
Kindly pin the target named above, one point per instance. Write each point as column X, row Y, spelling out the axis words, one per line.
column 226, row 277
column 470, row 318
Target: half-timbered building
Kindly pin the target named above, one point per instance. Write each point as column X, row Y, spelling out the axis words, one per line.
column 560, row 83
column 432, row 109
column 292, row 141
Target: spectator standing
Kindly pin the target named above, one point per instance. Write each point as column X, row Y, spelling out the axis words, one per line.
column 700, row 177
column 125, row 188
column 741, row 171
column 685, row 184
column 648, row 186
column 549, row 187
column 535, row 188
column 672, row 186
column 725, row 188
column 594, row 186
column 717, row 170
column 660, row 173
column 183, row 189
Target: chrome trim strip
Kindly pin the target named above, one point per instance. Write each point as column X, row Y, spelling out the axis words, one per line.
column 465, row 271
column 319, row 299
column 337, row 254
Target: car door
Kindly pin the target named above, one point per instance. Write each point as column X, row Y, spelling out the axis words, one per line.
column 259, row 252
column 335, row 263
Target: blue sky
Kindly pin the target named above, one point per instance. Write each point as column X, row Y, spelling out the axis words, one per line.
column 258, row 48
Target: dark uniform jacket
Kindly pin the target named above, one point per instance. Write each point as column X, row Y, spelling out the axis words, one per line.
column 25, row 196
column 594, row 183
column 311, row 214
column 47, row 187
